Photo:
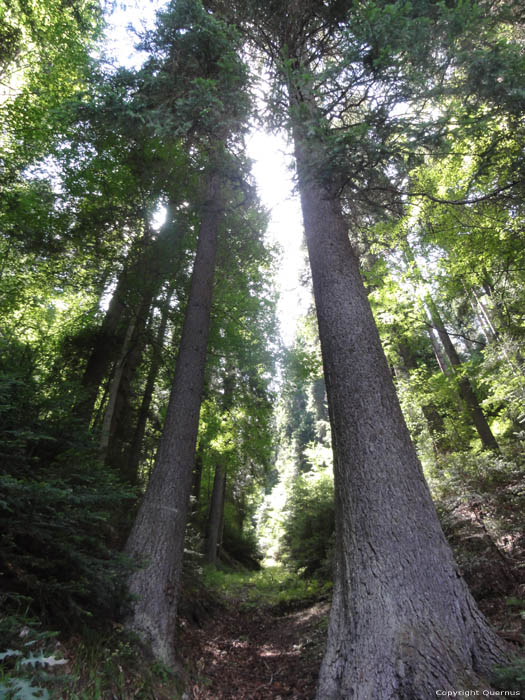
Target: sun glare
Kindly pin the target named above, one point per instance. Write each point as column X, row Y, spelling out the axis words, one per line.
column 271, row 167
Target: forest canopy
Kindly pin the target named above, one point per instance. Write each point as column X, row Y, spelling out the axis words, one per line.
column 155, row 430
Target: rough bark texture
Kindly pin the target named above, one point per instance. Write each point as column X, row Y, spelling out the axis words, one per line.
column 403, row 623
column 157, row 537
column 464, row 386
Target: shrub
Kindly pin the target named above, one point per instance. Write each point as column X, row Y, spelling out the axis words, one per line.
column 56, row 507
column 309, row 527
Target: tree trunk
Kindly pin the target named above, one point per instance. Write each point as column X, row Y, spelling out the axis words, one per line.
column 107, row 343
column 122, row 425
column 215, row 515
column 157, row 536
column 403, row 623
column 438, row 353
column 464, row 386
column 197, row 478
column 215, row 523
column 138, row 282
column 134, row 452
column 109, row 413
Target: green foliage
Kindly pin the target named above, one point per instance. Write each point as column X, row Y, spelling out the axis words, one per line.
column 272, row 587
column 240, row 544
column 56, row 506
column 44, row 62
column 511, row 677
column 99, row 664
column 112, row 664
column 26, row 668
column 194, row 75
column 309, row 525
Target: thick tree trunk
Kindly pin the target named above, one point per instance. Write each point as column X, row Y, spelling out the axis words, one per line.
column 157, row 537
column 464, row 386
column 213, row 525
column 403, row 623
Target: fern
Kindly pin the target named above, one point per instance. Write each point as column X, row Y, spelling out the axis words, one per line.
column 21, row 689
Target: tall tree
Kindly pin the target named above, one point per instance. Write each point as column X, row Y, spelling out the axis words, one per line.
column 197, row 54
column 158, row 531
column 403, row 623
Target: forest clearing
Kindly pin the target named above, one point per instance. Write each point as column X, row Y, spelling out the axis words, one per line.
column 190, row 507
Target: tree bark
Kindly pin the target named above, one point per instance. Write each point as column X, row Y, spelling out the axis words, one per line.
column 157, row 536
column 403, row 623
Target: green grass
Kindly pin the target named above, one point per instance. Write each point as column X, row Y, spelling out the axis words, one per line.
column 271, row 587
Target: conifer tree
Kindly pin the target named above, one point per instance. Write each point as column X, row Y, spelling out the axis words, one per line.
column 200, row 69
column 403, row 623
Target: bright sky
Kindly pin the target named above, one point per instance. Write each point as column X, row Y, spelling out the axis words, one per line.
column 271, row 156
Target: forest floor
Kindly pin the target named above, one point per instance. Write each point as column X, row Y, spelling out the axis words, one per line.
column 255, row 652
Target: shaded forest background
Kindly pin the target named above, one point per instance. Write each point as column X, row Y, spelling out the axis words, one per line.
column 103, row 173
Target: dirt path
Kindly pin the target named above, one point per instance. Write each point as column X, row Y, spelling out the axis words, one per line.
column 257, row 654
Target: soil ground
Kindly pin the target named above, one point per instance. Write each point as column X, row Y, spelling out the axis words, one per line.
column 257, row 654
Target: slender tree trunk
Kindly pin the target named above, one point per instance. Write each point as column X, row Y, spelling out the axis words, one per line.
column 438, row 353
column 122, row 424
column 220, row 534
column 157, row 537
column 215, row 515
column 197, row 477
column 133, row 456
column 108, row 420
column 107, row 343
column 138, row 281
column 480, row 311
column 215, row 521
column 464, row 386
column 403, row 623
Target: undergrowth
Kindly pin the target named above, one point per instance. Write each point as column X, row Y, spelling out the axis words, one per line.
column 96, row 665
column 271, row 587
